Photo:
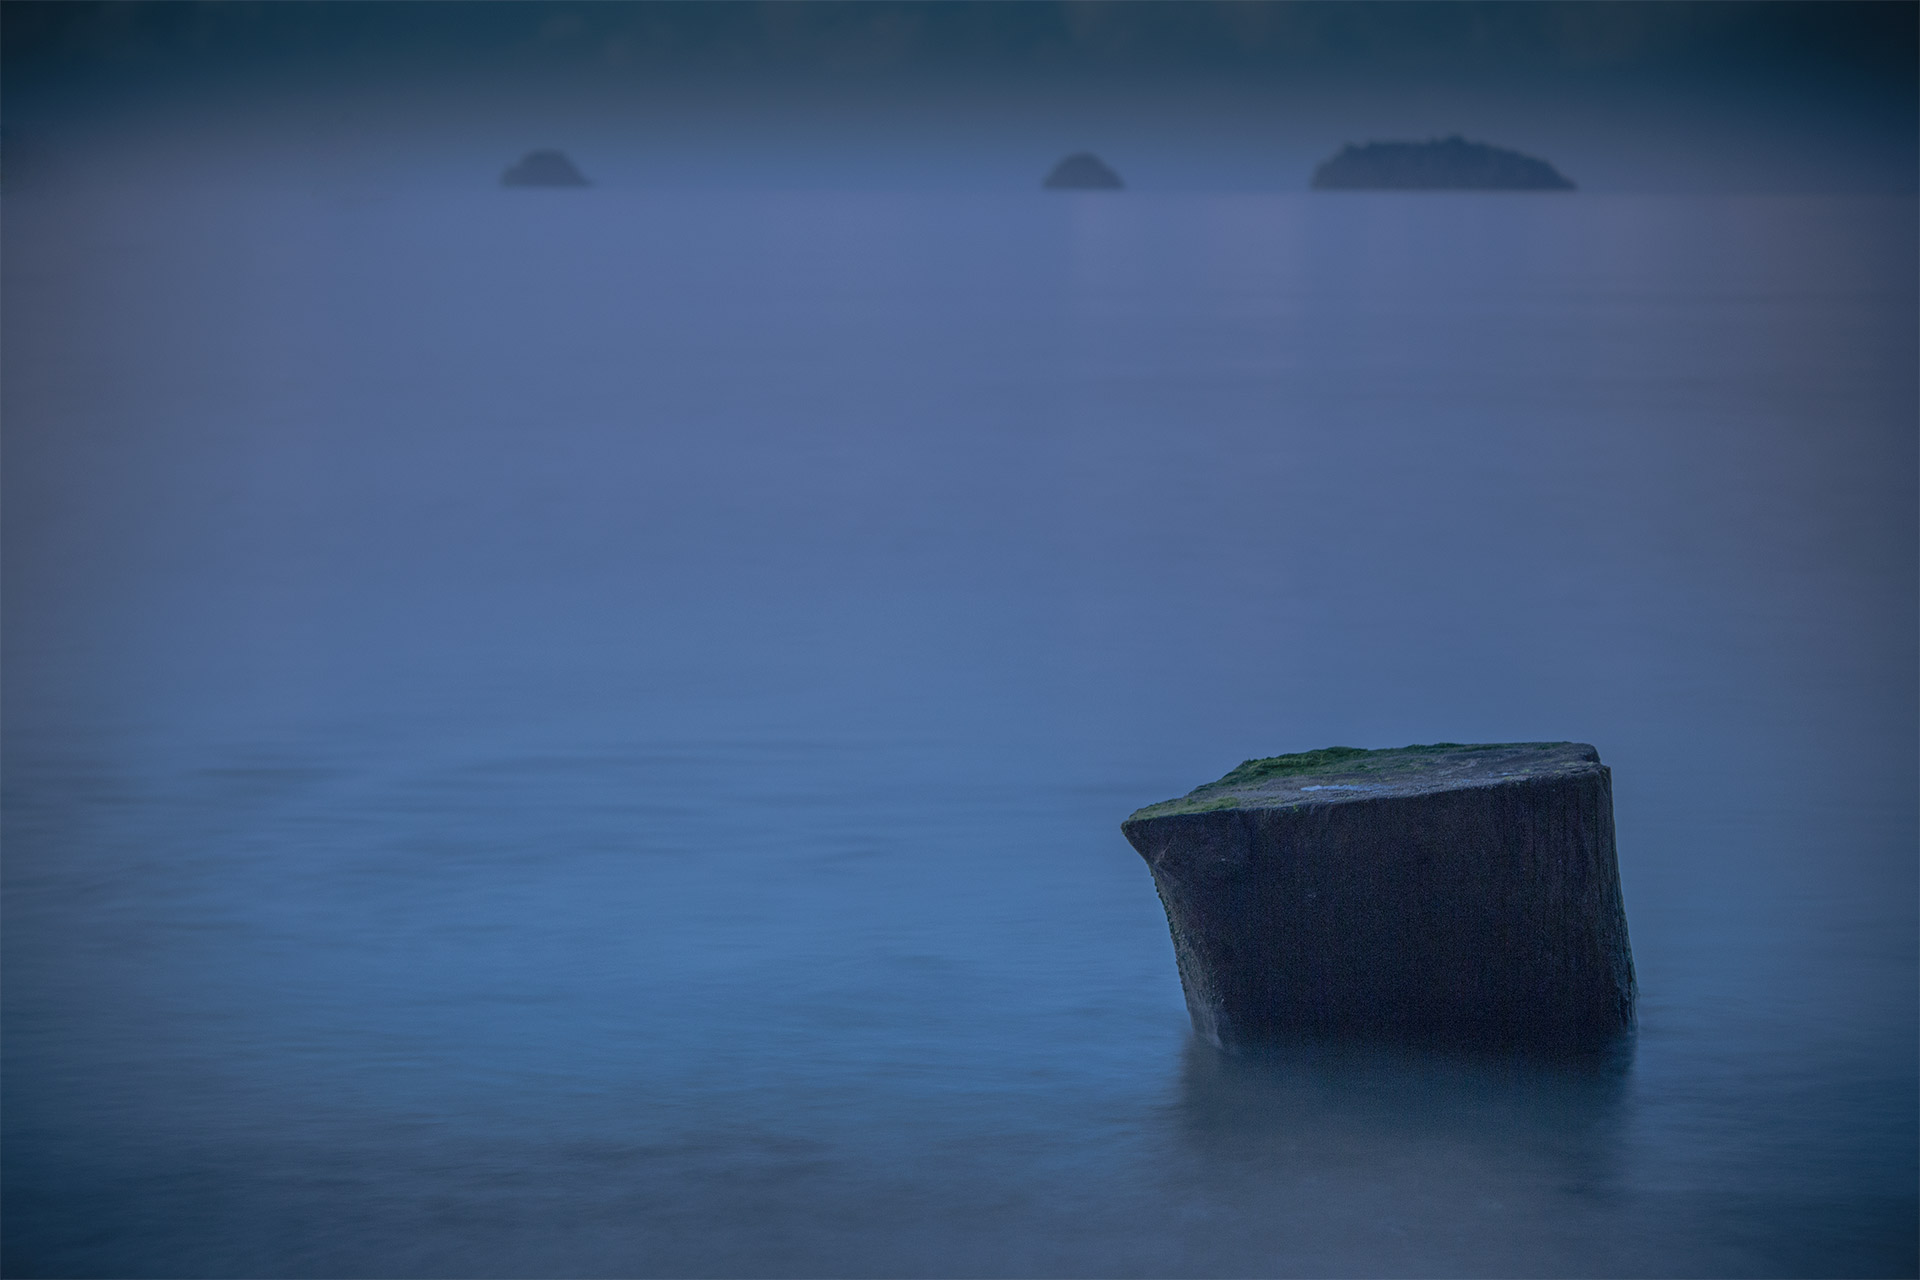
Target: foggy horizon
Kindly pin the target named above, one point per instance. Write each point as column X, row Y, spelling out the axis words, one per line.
column 1687, row 98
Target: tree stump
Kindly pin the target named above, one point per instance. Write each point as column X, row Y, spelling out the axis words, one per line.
column 1467, row 894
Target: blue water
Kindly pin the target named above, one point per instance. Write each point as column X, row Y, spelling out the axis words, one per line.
column 584, row 733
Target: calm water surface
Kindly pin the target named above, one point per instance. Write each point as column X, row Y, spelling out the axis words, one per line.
column 584, row 733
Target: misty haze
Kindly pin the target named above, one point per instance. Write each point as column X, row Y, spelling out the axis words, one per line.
column 587, row 589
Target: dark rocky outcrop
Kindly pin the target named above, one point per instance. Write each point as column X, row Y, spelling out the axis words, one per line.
column 1082, row 171
column 1465, row 894
column 544, row 169
column 1439, row 164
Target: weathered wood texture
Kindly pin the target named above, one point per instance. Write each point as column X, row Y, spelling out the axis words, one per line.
column 1462, row 894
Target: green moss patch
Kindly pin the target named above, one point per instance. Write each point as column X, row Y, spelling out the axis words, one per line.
column 1229, row 792
column 1289, row 765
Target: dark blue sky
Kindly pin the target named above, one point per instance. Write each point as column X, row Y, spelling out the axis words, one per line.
column 1624, row 96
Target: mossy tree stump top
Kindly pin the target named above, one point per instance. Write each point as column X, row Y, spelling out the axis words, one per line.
column 1338, row 775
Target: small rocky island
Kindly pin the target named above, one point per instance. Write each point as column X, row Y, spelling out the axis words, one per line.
column 544, row 169
column 1436, row 165
column 1082, row 171
column 1443, row 893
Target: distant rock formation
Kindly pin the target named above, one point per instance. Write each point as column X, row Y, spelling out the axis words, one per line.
column 1436, row 165
column 544, row 169
column 1463, row 894
column 1083, row 171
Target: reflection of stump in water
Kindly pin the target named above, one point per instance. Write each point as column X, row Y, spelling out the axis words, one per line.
column 1452, row 893
column 1434, row 1138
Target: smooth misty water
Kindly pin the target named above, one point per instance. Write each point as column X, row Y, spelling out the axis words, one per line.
column 584, row 733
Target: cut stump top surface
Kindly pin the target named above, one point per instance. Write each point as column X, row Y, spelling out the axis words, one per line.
column 1342, row 775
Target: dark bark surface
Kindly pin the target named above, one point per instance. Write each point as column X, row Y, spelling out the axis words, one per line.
column 1479, row 906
